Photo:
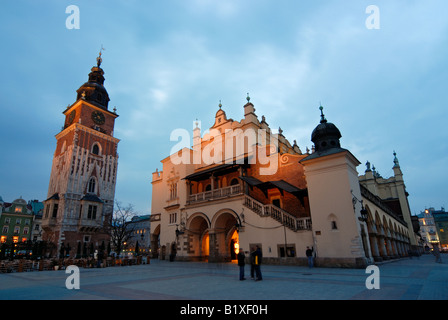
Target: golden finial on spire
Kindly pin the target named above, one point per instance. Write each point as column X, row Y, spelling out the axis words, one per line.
column 99, row 60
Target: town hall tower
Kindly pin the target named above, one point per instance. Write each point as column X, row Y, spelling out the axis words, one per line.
column 81, row 191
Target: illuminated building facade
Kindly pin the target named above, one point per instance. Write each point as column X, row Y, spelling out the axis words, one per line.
column 241, row 186
column 441, row 222
column 16, row 221
column 428, row 229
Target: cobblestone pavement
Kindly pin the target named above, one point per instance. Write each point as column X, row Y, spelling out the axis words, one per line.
column 405, row 279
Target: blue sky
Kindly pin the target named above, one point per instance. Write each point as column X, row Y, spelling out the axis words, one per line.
column 169, row 62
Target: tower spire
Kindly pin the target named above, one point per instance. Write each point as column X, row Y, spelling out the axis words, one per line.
column 93, row 90
column 322, row 116
column 396, row 163
column 99, row 60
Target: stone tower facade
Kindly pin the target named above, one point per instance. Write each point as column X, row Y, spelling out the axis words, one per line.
column 81, row 191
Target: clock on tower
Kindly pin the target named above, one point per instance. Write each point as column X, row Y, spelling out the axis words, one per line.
column 81, row 190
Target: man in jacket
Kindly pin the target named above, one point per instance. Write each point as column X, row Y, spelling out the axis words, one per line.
column 241, row 263
column 257, row 262
column 309, row 255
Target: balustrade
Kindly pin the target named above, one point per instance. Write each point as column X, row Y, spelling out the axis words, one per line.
column 215, row 194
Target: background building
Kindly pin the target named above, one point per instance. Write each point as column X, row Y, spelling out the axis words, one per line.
column 16, row 221
column 81, row 190
column 139, row 241
column 428, row 229
column 38, row 209
column 441, row 222
column 19, row 222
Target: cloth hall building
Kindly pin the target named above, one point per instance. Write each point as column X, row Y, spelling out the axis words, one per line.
column 240, row 185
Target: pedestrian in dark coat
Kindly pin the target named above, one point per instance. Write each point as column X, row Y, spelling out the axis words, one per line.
column 257, row 262
column 309, row 255
column 252, row 263
column 241, row 263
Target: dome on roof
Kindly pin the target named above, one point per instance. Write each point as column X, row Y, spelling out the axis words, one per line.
column 326, row 135
column 93, row 90
column 20, row 201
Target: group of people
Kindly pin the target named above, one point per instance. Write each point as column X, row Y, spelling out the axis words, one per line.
column 255, row 262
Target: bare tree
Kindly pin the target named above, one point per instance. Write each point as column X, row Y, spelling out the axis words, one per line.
column 120, row 230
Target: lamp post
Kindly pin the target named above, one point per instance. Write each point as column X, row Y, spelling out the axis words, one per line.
column 364, row 213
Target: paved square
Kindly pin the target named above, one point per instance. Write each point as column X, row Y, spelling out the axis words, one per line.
column 406, row 279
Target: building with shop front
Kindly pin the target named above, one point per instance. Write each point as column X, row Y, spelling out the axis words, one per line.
column 441, row 222
column 428, row 229
column 241, row 185
column 16, row 221
column 139, row 241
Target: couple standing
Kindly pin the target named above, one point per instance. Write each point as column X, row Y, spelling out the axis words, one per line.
column 255, row 262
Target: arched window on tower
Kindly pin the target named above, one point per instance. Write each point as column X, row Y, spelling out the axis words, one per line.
column 92, row 185
column 96, row 149
column 333, row 222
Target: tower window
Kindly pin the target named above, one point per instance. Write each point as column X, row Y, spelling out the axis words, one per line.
column 333, row 222
column 92, row 185
column 334, row 225
column 96, row 149
column 55, row 210
column 91, row 213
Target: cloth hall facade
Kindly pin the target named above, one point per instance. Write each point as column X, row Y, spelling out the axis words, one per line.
column 242, row 185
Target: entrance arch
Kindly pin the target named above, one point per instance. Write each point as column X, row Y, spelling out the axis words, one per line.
column 198, row 236
column 205, row 246
column 224, row 236
column 234, row 244
column 155, row 242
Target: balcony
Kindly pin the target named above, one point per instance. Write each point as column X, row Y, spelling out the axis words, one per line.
column 215, row 194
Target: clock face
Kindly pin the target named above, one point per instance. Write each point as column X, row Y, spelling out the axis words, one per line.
column 98, row 117
column 71, row 116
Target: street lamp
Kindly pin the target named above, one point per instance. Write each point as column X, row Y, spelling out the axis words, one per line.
column 364, row 214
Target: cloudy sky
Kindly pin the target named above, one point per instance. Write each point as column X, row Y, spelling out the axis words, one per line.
column 170, row 62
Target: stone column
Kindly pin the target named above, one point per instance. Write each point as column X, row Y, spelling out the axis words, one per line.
column 382, row 247
column 374, row 247
column 213, row 247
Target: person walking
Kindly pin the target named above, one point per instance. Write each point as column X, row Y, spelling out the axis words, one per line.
column 257, row 262
column 437, row 254
column 309, row 255
column 241, row 263
column 252, row 263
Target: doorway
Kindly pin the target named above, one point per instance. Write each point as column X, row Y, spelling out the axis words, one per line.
column 234, row 246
